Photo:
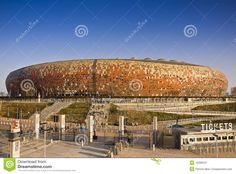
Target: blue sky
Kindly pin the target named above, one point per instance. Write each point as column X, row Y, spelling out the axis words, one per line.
column 36, row 31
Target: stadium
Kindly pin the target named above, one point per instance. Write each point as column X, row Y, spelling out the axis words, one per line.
column 117, row 78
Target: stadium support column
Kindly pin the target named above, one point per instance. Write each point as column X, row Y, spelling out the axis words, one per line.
column 91, row 130
column 14, row 139
column 62, row 126
column 36, row 125
column 121, row 126
column 154, row 132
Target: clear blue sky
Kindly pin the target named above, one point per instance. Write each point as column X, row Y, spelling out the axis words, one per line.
column 36, row 31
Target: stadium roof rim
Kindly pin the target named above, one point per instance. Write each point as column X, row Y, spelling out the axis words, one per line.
column 164, row 61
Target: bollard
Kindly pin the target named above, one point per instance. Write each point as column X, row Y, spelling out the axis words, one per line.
column 153, row 147
column 82, row 143
column 120, row 146
column 114, row 150
column 39, row 98
column 117, row 150
column 62, row 125
column 111, row 154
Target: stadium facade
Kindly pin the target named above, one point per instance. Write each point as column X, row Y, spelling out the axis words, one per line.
column 117, row 78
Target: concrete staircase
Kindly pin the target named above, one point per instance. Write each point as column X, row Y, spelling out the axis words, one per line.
column 53, row 109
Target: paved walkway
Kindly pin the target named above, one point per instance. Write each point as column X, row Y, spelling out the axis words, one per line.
column 69, row 149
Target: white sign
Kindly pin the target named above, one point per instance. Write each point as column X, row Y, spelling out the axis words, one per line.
column 62, row 121
column 216, row 127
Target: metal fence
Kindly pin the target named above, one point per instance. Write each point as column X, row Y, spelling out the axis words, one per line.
column 138, row 138
column 4, row 146
column 212, row 148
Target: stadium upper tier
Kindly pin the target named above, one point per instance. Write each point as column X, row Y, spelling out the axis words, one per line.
column 117, row 78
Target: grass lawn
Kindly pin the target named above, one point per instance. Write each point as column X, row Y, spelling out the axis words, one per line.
column 227, row 107
column 24, row 110
column 76, row 112
column 141, row 117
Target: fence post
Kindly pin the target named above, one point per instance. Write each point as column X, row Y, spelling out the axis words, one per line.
column 154, row 132
column 121, row 126
column 36, row 125
column 91, row 131
column 62, row 125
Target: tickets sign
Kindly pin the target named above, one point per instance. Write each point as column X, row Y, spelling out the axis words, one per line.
column 216, row 127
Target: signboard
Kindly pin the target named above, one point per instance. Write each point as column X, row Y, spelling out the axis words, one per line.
column 15, row 126
column 216, row 127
